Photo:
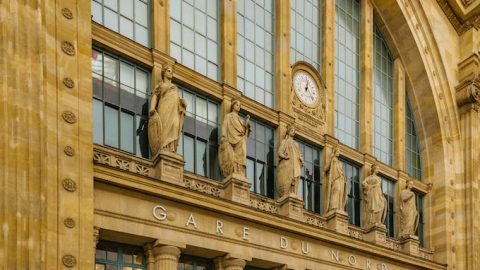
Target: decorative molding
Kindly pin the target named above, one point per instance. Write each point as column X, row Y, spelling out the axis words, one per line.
column 314, row 219
column 67, row 13
column 69, row 185
column 126, row 162
column 69, row 117
column 263, row 204
column 69, row 261
column 460, row 25
column 68, row 82
column 355, row 232
column 468, row 92
column 203, row 186
column 69, row 151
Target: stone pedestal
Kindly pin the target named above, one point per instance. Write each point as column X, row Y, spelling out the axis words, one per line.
column 169, row 167
column 376, row 233
column 291, row 206
column 410, row 244
column 237, row 188
column 337, row 221
column 166, row 257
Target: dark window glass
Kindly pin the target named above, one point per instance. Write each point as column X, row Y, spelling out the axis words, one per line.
column 412, row 153
column 194, row 263
column 120, row 104
column 388, row 188
column 310, row 186
column 260, row 159
column 109, row 255
column 354, row 192
column 199, row 142
column 421, row 219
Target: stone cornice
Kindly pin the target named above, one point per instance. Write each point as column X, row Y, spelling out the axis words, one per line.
column 460, row 25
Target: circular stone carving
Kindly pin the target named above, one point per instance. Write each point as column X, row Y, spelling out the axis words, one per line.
column 67, row 13
column 476, row 94
column 69, row 185
column 69, row 261
column 69, row 117
column 68, row 82
column 69, row 223
column 171, row 216
column 68, row 48
column 69, row 151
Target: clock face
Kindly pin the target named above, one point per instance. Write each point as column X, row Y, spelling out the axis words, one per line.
column 305, row 88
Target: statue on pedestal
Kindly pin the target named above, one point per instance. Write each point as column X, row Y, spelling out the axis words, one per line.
column 167, row 113
column 374, row 201
column 337, row 184
column 233, row 142
column 408, row 211
column 290, row 163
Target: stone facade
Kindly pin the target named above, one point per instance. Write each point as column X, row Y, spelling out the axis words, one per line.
column 62, row 194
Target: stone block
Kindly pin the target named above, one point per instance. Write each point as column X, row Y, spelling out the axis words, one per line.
column 337, row 221
column 291, row 206
column 410, row 244
column 237, row 188
column 169, row 167
column 376, row 233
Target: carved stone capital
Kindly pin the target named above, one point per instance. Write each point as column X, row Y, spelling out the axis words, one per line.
column 233, row 264
column 166, row 255
column 468, row 93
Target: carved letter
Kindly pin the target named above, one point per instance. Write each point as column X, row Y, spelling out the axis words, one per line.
column 283, row 242
column 305, row 248
column 191, row 221
column 352, row 260
column 335, row 255
column 368, row 265
column 219, row 227
column 245, row 233
column 160, row 216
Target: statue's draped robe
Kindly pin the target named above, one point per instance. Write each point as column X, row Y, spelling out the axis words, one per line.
column 233, row 146
column 375, row 201
column 408, row 213
column 337, row 194
column 290, row 169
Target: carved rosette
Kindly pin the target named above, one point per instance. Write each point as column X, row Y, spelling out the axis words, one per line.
column 69, row 261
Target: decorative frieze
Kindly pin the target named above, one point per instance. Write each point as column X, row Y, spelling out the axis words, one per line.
column 315, row 220
column 263, row 204
column 202, row 186
column 124, row 162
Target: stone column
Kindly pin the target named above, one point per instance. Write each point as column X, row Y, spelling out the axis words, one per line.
column 328, row 62
column 166, row 257
column 46, row 171
column 399, row 114
column 226, row 263
column 468, row 101
column 366, row 93
column 283, row 74
column 228, row 43
column 161, row 25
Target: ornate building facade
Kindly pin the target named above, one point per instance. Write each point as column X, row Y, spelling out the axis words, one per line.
column 240, row 134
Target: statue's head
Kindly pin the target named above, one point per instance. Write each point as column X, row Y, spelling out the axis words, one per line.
column 291, row 130
column 374, row 169
column 409, row 184
column 235, row 106
column 167, row 72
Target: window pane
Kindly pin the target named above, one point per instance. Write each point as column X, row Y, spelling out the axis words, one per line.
column 125, row 19
column 111, row 126
column 126, row 122
column 97, row 121
column 201, row 158
column 412, row 152
column 347, row 86
column 188, row 153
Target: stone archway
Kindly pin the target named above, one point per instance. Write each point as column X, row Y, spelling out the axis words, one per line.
column 434, row 106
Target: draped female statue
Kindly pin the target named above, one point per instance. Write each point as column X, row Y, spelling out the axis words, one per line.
column 408, row 211
column 233, row 142
column 167, row 113
column 374, row 201
column 290, row 163
column 337, row 184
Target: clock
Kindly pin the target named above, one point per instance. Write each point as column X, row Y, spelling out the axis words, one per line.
column 305, row 88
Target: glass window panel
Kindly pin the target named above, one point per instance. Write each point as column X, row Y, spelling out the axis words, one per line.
column 201, row 158
column 412, row 154
column 97, row 12
column 111, row 19
column 141, row 13
column 188, row 153
column 126, row 27
column 111, row 4
column 126, row 8
column 141, row 35
column 176, row 10
column 111, row 126
column 345, row 60
column 126, row 134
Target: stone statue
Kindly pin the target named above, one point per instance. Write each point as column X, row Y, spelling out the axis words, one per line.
column 233, row 142
column 374, row 201
column 337, row 183
column 408, row 211
column 167, row 113
column 290, row 163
